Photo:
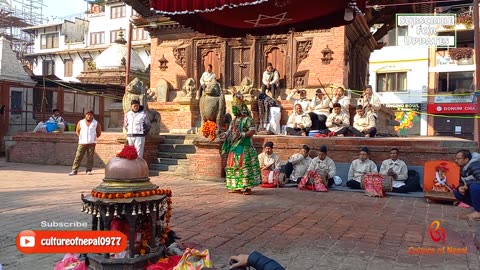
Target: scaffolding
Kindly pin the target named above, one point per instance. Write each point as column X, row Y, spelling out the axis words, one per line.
column 15, row 15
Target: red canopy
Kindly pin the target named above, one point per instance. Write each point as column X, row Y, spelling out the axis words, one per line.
column 229, row 18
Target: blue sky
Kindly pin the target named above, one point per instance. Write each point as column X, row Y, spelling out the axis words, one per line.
column 62, row 8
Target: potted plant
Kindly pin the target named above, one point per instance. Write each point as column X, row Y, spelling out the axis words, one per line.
column 461, row 54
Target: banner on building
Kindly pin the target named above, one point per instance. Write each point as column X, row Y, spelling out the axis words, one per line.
column 452, row 108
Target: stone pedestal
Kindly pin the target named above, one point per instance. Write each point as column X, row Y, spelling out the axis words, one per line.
column 207, row 162
column 181, row 116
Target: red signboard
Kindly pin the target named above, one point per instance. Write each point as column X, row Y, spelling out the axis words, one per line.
column 452, row 108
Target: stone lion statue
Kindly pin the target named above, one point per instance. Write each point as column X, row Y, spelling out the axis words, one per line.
column 189, row 88
column 212, row 105
column 135, row 90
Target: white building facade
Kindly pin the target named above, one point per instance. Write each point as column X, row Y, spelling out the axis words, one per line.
column 399, row 75
column 67, row 48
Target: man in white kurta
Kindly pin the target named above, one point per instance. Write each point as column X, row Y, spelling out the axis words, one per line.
column 338, row 121
column 398, row 170
column 324, row 166
column 269, row 164
column 359, row 168
column 297, row 165
column 364, row 124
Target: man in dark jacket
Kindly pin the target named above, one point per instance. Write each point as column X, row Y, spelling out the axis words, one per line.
column 255, row 260
column 469, row 188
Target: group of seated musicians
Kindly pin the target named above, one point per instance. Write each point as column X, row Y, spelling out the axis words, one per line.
column 331, row 116
column 300, row 164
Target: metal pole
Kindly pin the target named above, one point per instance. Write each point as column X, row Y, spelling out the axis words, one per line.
column 129, row 53
column 476, row 39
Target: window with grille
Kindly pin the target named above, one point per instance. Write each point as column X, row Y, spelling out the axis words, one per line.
column 16, row 102
column 68, row 69
column 139, row 34
column 48, row 67
column 97, row 38
column 118, row 12
column 392, row 82
column 241, row 64
column 49, row 41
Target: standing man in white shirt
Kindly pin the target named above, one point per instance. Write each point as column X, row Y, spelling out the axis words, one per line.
column 270, row 80
column 359, row 168
column 137, row 124
column 88, row 130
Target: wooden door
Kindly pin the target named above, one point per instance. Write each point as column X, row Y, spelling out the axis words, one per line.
column 211, row 58
column 241, row 65
column 277, row 58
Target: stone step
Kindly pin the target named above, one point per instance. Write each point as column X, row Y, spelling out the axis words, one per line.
column 179, row 138
column 177, row 148
column 163, row 167
column 171, row 161
column 172, row 155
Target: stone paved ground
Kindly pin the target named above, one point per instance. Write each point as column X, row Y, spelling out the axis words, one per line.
column 302, row 230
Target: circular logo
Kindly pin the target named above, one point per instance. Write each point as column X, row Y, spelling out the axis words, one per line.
column 439, row 108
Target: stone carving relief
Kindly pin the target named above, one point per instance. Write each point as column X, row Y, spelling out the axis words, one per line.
column 303, row 47
column 180, row 55
column 246, row 86
column 189, row 88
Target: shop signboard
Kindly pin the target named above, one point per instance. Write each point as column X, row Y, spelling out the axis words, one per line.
column 452, row 108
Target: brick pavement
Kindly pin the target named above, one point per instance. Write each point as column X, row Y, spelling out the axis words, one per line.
column 301, row 229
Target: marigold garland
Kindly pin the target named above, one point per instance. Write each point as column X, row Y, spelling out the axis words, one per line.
column 208, row 130
column 128, row 152
column 127, row 195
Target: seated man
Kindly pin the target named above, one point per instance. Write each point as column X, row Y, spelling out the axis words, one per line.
column 320, row 110
column 338, row 121
column 324, row 166
column 299, row 122
column 397, row 169
column 297, row 165
column 359, row 168
column 269, row 166
column 270, row 80
column 302, row 100
column 207, row 77
column 57, row 119
column 363, row 124
column 469, row 189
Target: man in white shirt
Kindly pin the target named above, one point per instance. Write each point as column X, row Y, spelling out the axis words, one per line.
column 269, row 165
column 270, row 80
column 319, row 110
column 297, row 165
column 364, row 124
column 207, row 77
column 137, row 125
column 359, row 168
column 338, row 121
column 302, row 100
column 88, row 130
column 343, row 100
column 57, row 119
column 298, row 123
column 324, row 166
column 398, row 170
